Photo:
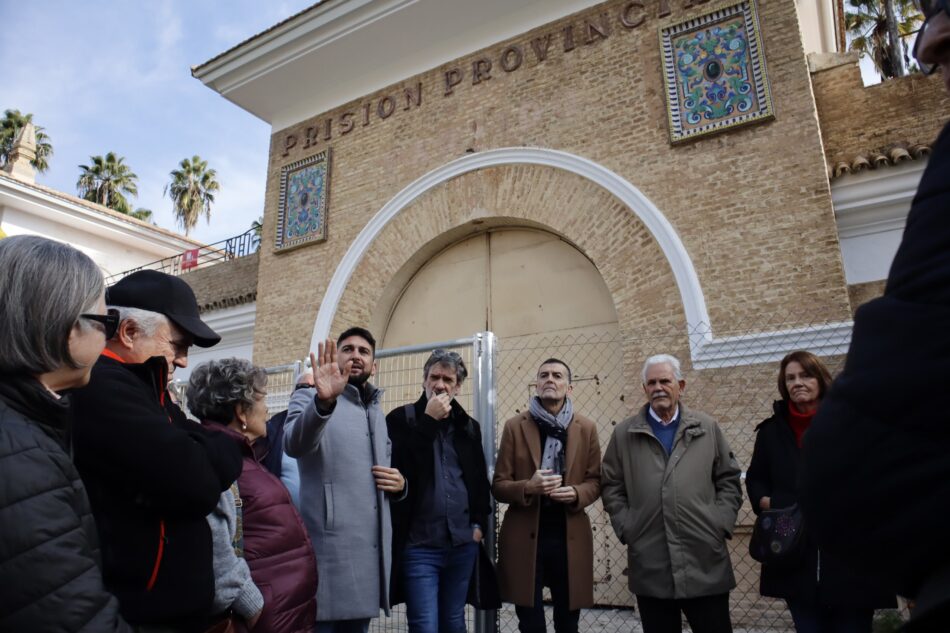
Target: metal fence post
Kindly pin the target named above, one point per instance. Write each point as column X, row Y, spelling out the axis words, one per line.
column 484, row 411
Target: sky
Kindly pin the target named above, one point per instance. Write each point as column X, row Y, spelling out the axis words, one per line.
column 104, row 76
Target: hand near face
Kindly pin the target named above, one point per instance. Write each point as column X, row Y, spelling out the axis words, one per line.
column 564, row 494
column 542, row 482
column 388, row 479
column 439, row 406
column 328, row 378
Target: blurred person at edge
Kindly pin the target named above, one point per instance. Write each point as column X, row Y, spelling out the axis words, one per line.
column 55, row 324
column 548, row 472
column 152, row 474
column 822, row 595
column 229, row 396
column 876, row 461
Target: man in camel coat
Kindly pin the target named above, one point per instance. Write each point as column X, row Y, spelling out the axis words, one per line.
column 548, row 471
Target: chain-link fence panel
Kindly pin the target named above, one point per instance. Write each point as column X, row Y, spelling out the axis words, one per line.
column 737, row 387
column 736, row 384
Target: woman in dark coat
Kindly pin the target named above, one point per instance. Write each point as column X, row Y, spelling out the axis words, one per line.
column 822, row 595
column 229, row 395
column 54, row 325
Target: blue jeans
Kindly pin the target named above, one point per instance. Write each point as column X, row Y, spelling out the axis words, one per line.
column 436, row 584
column 343, row 626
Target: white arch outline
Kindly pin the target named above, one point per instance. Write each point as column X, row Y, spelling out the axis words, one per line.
column 705, row 351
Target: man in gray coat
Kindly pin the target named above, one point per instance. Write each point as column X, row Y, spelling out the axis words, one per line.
column 337, row 432
column 671, row 486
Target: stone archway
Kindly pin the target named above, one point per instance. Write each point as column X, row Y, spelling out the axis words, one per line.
column 624, row 213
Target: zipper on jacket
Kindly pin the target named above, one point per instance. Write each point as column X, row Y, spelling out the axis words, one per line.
column 818, row 568
column 158, row 557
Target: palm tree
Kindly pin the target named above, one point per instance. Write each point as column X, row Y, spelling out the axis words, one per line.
column 145, row 215
column 10, row 125
column 192, row 191
column 876, row 26
column 258, row 227
column 107, row 180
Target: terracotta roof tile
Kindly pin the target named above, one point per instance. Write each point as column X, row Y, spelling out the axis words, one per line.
column 875, row 159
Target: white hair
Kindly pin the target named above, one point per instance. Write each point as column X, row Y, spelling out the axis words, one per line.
column 147, row 321
column 662, row 359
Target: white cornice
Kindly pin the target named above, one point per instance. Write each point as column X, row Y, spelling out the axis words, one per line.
column 28, row 199
column 360, row 46
column 875, row 201
column 232, row 320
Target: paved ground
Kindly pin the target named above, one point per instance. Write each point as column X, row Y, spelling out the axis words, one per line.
column 592, row 621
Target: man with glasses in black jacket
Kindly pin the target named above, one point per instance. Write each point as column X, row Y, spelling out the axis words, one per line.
column 876, row 470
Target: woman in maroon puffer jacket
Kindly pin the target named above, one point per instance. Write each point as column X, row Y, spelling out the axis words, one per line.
column 229, row 395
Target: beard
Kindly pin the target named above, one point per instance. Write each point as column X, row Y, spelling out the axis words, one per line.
column 360, row 379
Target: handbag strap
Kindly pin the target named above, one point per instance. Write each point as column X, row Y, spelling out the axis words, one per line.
column 238, row 541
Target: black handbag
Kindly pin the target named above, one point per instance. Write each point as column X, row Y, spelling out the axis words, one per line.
column 483, row 585
column 777, row 537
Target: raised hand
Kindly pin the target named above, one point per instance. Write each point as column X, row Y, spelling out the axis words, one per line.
column 328, row 378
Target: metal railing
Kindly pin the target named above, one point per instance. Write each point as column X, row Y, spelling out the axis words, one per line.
column 201, row 257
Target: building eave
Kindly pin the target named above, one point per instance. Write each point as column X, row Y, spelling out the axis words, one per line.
column 357, row 47
column 83, row 215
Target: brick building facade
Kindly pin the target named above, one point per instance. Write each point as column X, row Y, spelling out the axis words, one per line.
column 727, row 249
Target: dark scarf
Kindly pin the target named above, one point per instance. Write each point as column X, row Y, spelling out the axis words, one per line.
column 27, row 396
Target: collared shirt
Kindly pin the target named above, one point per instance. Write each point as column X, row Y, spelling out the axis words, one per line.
column 443, row 518
column 664, row 431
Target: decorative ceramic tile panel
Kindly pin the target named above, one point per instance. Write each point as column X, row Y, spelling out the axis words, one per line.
column 714, row 70
column 304, row 191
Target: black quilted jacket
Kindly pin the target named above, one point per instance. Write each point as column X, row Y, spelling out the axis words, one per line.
column 49, row 559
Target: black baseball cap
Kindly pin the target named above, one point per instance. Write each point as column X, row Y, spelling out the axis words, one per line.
column 166, row 294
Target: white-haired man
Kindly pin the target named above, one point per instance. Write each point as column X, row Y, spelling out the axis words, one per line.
column 152, row 474
column 671, row 486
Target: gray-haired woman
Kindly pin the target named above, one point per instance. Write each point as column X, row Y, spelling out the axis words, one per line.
column 54, row 324
column 228, row 395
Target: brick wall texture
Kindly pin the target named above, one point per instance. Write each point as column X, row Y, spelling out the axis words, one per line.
column 746, row 204
column 856, row 120
column 225, row 284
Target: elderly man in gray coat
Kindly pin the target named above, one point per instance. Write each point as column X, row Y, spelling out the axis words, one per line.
column 671, row 486
column 337, row 432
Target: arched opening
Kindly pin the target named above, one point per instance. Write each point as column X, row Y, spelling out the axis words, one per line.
column 513, row 281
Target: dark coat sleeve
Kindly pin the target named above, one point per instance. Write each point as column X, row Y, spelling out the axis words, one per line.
column 49, row 574
column 122, row 434
column 757, row 478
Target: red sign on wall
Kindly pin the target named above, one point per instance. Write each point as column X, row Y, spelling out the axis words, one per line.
column 189, row 259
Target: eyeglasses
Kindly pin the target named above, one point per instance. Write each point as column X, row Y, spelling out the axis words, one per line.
column 109, row 321
column 929, row 8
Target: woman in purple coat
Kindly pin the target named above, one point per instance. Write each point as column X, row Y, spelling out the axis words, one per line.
column 229, row 395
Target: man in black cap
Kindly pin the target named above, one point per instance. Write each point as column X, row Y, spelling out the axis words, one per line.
column 152, row 475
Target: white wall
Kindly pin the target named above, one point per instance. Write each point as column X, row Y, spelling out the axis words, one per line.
column 871, row 209
column 112, row 255
column 236, row 327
